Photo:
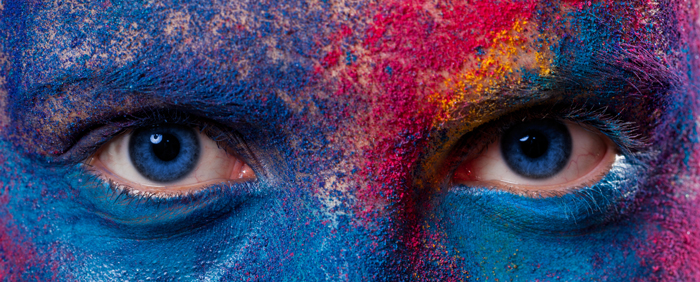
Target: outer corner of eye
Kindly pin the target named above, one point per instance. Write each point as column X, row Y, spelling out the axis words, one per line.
column 167, row 159
column 540, row 157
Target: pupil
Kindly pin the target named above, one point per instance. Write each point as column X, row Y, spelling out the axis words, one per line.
column 534, row 144
column 537, row 149
column 165, row 146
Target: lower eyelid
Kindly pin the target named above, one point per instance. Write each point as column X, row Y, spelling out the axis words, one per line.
column 574, row 212
column 139, row 215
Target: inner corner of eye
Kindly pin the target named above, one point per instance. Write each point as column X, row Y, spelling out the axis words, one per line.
column 540, row 155
column 168, row 158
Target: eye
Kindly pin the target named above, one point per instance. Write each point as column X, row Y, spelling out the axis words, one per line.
column 167, row 159
column 543, row 157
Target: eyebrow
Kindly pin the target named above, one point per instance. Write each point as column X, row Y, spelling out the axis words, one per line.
column 619, row 79
column 54, row 114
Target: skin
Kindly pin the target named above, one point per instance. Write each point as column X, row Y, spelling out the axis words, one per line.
column 354, row 115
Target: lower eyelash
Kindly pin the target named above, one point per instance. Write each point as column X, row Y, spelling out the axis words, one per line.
column 144, row 216
column 541, row 194
column 121, row 193
column 611, row 199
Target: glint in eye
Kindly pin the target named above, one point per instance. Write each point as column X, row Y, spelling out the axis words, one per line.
column 168, row 159
column 540, row 158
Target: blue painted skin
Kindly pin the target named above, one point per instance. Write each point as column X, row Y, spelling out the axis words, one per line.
column 568, row 232
column 79, row 74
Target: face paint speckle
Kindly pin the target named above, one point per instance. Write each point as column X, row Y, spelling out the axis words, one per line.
column 353, row 115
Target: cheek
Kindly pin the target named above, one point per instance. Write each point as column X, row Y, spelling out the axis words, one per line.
column 30, row 204
column 672, row 245
column 4, row 119
column 495, row 250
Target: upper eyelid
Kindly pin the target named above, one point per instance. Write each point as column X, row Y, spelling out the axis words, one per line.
column 93, row 138
column 88, row 142
column 622, row 133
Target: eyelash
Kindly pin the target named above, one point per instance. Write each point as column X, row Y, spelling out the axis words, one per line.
column 221, row 135
column 224, row 138
column 578, row 209
column 623, row 134
column 146, row 198
column 123, row 194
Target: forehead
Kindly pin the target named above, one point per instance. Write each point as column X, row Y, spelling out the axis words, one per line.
column 406, row 65
column 75, row 38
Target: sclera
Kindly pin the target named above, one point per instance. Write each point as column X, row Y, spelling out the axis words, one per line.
column 214, row 165
column 591, row 158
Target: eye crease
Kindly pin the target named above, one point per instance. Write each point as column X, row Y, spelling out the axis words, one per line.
column 167, row 159
column 540, row 158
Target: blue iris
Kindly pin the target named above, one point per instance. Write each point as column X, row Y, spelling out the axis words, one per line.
column 164, row 153
column 537, row 149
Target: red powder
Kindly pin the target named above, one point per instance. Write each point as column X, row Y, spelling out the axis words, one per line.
column 17, row 254
column 410, row 44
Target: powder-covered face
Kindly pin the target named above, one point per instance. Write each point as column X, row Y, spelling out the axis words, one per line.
column 349, row 140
